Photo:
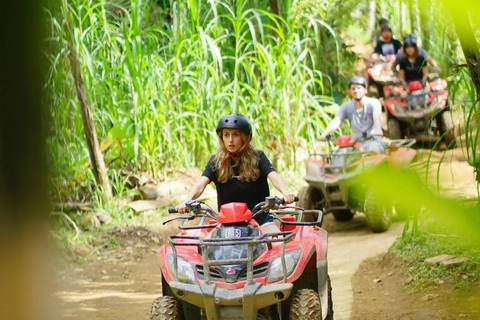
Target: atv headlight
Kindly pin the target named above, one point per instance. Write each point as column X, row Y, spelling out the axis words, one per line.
column 185, row 271
column 276, row 271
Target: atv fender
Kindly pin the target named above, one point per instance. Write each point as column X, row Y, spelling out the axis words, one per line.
column 322, row 274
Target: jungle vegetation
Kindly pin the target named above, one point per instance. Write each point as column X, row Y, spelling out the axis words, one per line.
column 153, row 77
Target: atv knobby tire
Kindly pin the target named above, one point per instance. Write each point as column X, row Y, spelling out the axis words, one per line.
column 373, row 91
column 446, row 126
column 343, row 215
column 305, row 305
column 394, row 130
column 309, row 198
column 265, row 314
column 166, row 308
column 406, row 210
column 377, row 214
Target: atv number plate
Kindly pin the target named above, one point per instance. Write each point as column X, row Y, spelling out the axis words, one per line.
column 233, row 233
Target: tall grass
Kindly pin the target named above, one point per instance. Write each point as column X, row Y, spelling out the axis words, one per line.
column 159, row 77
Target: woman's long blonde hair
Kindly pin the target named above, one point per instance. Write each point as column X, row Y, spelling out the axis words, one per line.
column 246, row 162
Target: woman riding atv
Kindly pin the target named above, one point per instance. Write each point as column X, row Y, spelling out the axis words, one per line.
column 239, row 171
column 412, row 65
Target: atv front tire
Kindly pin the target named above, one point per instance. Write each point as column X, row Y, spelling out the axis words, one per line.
column 265, row 314
column 446, row 126
column 406, row 210
column 373, row 91
column 310, row 198
column 378, row 215
column 305, row 305
column 343, row 215
column 166, row 308
column 394, row 130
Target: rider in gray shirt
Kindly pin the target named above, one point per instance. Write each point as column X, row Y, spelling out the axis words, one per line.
column 364, row 115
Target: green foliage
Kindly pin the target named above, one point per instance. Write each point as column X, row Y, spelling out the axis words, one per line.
column 442, row 227
column 433, row 240
column 158, row 78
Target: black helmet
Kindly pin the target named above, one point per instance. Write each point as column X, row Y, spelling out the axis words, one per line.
column 410, row 39
column 235, row 121
column 358, row 80
column 386, row 27
column 382, row 20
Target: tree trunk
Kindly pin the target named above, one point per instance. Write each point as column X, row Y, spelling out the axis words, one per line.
column 275, row 7
column 372, row 22
column 96, row 157
column 472, row 56
column 423, row 35
column 469, row 46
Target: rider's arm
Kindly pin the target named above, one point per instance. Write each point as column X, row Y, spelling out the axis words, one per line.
column 331, row 127
column 378, row 48
column 401, row 76
column 195, row 192
column 280, row 185
column 377, row 119
column 433, row 63
column 424, row 75
column 377, row 124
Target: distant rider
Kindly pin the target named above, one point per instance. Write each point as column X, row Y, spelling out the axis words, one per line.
column 239, row 171
column 382, row 22
column 364, row 115
column 422, row 52
column 412, row 65
column 387, row 45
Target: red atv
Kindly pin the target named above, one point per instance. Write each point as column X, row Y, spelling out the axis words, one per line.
column 379, row 73
column 223, row 267
column 337, row 185
column 414, row 112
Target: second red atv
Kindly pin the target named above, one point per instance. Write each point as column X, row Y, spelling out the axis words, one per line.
column 417, row 111
column 379, row 73
column 223, row 267
column 337, row 185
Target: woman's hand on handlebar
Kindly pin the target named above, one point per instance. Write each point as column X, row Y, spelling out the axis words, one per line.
column 181, row 208
column 288, row 197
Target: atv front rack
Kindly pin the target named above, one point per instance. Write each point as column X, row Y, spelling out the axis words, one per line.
column 327, row 160
column 400, row 143
column 299, row 213
column 251, row 242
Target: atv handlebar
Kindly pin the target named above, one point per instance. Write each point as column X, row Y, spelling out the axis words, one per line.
column 196, row 208
column 270, row 203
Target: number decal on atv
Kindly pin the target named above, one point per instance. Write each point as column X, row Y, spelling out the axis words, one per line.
column 233, row 233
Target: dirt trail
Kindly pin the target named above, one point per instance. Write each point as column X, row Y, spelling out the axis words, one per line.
column 122, row 283
column 347, row 248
